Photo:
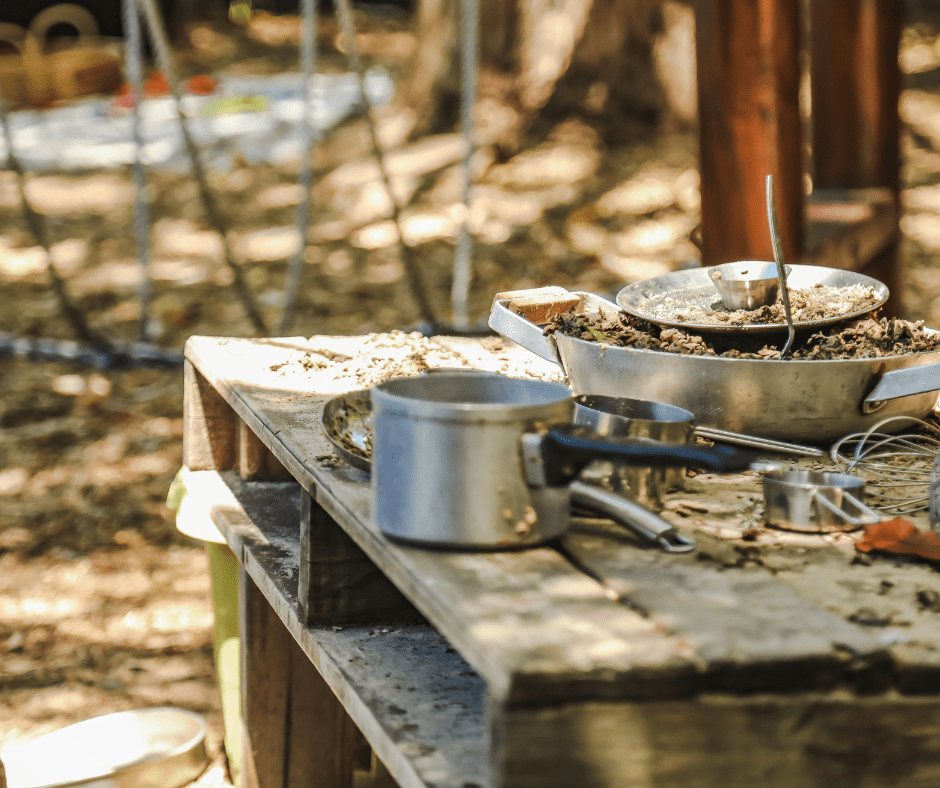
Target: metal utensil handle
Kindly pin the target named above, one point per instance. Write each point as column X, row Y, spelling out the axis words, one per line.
column 523, row 332
column 638, row 519
column 781, row 266
column 905, row 382
column 868, row 516
column 754, row 442
column 568, row 445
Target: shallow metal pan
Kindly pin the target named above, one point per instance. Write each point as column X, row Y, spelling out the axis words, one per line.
column 347, row 424
column 693, row 287
column 809, row 401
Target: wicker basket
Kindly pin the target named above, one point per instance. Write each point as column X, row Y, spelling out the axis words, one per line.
column 14, row 85
column 42, row 72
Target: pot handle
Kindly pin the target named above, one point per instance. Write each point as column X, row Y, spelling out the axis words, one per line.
column 865, row 516
column 516, row 316
column 903, row 383
column 644, row 523
column 556, row 457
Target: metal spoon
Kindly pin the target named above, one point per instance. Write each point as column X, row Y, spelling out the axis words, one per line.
column 781, row 267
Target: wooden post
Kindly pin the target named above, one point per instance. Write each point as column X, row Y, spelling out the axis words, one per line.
column 255, row 461
column 209, row 436
column 856, row 85
column 295, row 733
column 749, row 126
column 338, row 583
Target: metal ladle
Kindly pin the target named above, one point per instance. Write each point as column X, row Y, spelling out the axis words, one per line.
column 781, row 267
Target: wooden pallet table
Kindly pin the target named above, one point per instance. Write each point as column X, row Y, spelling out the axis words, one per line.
column 763, row 658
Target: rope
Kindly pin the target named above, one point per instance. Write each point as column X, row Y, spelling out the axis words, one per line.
column 37, row 228
column 309, row 135
column 139, row 354
column 463, row 253
column 411, row 266
column 133, row 64
column 162, row 49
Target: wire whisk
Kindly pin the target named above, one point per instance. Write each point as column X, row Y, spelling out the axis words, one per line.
column 897, row 467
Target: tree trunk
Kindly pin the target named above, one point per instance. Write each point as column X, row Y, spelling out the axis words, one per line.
column 550, row 58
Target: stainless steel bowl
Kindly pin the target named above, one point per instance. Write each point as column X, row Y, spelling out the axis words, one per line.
column 816, row 501
column 749, row 284
column 636, row 418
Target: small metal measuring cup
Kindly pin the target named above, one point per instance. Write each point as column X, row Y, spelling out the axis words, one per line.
column 749, row 284
column 816, row 501
column 636, row 418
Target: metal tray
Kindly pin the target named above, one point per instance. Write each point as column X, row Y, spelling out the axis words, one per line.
column 646, row 299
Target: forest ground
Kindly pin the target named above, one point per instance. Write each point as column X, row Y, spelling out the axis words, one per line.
column 103, row 605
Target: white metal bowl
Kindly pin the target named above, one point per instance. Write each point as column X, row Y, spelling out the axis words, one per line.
column 144, row 748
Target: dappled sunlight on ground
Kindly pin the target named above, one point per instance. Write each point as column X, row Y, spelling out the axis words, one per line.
column 103, row 606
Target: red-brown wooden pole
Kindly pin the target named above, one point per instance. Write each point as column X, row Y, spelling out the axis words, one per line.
column 856, row 85
column 748, row 79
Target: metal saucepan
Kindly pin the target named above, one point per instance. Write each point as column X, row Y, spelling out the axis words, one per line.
column 657, row 298
column 816, row 501
column 626, row 417
column 484, row 461
column 797, row 400
column 631, row 418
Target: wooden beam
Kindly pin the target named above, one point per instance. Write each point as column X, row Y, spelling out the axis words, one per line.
column 856, row 85
column 295, row 732
column 338, row 583
column 749, row 126
column 850, row 228
column 209, row 435
column 417, row 701
column 720, row 741
column 256, row 462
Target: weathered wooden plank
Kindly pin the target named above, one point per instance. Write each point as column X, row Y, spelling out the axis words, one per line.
column 894, row 600
column 748, row 630
column 295, row 731
column 265, row 689
column 322, row 739
column 338, row 583
column 749, row 126
column 810, row 741
column 255, row 461
column 897, row 601
column 209, row 434
column 419, row 703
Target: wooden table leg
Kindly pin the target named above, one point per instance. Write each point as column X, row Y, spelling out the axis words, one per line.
column 856, row 85
column 295, row 733
column 749, row 126
column 338, row 583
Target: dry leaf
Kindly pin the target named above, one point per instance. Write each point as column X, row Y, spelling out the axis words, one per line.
column 900, row 536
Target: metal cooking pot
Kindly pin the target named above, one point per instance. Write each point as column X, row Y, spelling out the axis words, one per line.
column 816, row 501
column 483, row 460
column 633, row 418
column 813, row 400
